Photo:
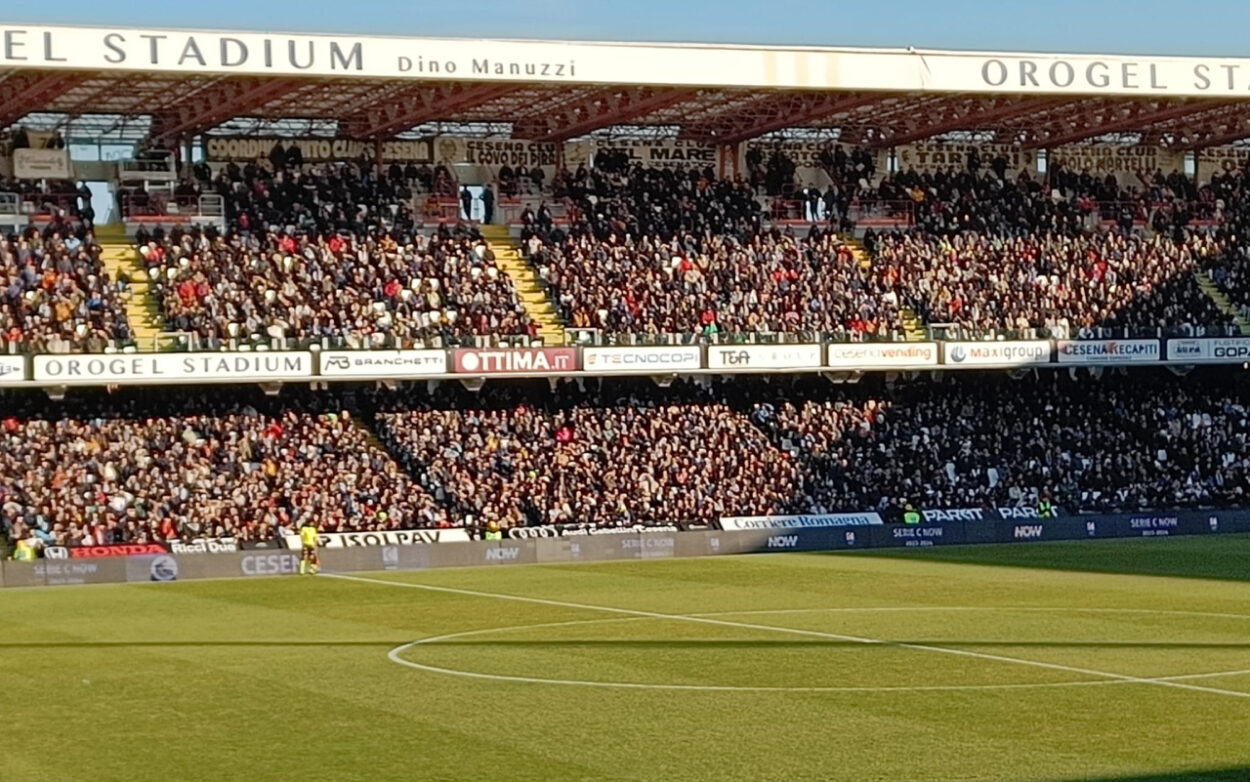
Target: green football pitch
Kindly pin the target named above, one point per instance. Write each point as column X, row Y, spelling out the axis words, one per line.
column 1108, row 660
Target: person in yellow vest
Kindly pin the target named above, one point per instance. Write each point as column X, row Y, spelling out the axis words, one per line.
column 1044, row 509
column 493, row 532
column 911, row 515
column 25, row 551
column 309, row 562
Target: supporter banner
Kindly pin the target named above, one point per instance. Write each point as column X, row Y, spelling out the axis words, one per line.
column 1219, row 160
column 496, row 153
column 205, row 546
column 660, row 358
column 316, row 150
column 803, row 153
column 1217, row 350
column 778, row 356
column 876, row 355
column 996, row 354
column 574, row 530
column 1108, row 351
column 1116, row 159
column 800, row 522
column 405, row 537
column 382, row 363
column 172, row 367
column 12, row 370
column 663, row 152
column 514, row 361
column 42, row 164
column 943, row 154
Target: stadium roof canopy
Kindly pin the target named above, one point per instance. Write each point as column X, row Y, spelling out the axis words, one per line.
column 189, row 83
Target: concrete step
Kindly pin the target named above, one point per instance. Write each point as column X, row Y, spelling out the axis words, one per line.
column 143, row 313
column 1212, row 290
column 531, row 290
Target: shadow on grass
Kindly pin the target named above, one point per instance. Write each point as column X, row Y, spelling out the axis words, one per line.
column 1218, row 557
column 1233, row 774
column 646, row 643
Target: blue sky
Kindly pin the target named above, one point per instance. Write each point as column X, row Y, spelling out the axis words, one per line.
column 1212, row 28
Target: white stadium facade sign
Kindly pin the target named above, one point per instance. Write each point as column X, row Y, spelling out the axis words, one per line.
column 395, row 57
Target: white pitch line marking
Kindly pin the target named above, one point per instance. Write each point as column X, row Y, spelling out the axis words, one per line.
column 797, row 631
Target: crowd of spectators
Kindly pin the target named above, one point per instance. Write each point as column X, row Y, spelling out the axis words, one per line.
column 1124, row 441
column 166, row 465
column 609, row 457
column 379, row 289
column 1056, row 284
column 161, row 466
column 55, row 295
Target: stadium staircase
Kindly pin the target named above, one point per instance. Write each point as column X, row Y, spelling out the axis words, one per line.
column 120, row 257
column 913, row 327
column 530, row 288
column 1213, row 292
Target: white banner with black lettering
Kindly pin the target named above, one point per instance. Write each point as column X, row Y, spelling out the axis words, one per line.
column 882, row 355
column 996, row 354
column 315, row 150
column 935, row 155
column 399, row 537
column 172, row 367
column 664, row 152
column 383, row 363
column 1108, row 351
column 12, row 370
column 641, row 358
column 1217, row 350
column 41, row 164
column 1210, row 161
column 779, row 356
column 801, row 522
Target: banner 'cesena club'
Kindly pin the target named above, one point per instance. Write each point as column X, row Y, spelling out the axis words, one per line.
column 313, row 150
column 781, row 356
column 382, row 363
column 873, row 355
column 399, row 537
column 1108, row 351
column 801, row 522
column 641, row 358
column 515, row 361
column 12, row 370
column 997, row 354
column 1217, row 350
column 574, row 530
column 173, row 367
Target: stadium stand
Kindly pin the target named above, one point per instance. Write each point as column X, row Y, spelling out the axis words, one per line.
column 165, row 465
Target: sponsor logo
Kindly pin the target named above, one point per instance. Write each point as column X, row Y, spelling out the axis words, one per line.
column 764, row 356
column 645, row 543
column 504, row 361
column 783, row 541
column 1154, row 522
column 405, row 537
column 959, row 514
column 800, row 522
column 997, row 353
column 12, row 368
column 503, row 554
column 1108, row 351
column 641, row 358
column 55, row 552
column 222, row 546
column 1026, row 513
column 390, row 557
column 871, row 354
column 269, row 564
column 388, row 363
column 116, row 550
column 1027, row 531
column 173, row 367
column 1216, row 349
column 164, row 568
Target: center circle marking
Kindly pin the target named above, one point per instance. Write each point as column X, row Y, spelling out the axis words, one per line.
column 396, row 655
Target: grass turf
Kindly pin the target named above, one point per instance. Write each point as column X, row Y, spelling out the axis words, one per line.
column 289, row 678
